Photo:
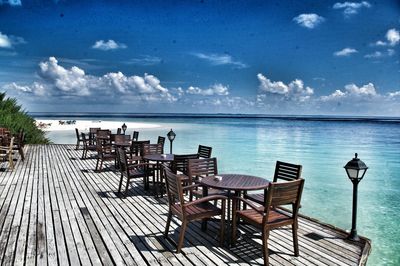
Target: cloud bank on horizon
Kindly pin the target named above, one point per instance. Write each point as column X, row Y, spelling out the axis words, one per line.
column 316, row 62
column 57, row 84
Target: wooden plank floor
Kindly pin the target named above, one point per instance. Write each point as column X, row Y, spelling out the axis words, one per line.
column 56, row 210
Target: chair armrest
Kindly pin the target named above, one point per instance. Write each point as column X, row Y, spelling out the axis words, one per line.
column 250, row 204
column 138, row 164
column 190, row 187
column 205, row 199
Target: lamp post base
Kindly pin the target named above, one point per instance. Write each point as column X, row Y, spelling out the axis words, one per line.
column 353, row 236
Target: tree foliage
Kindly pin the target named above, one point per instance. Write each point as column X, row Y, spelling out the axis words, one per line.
column 14, row 118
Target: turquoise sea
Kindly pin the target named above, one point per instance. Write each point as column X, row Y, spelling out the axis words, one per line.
column 323, row 145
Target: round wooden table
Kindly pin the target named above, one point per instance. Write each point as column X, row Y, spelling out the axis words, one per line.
column 235, row 182
column 159, row 158
column 232, row 182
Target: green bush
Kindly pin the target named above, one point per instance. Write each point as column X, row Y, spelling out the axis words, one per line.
column 15, row 119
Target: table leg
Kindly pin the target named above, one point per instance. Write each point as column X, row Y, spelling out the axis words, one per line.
column 204, row 221
column 235, row 206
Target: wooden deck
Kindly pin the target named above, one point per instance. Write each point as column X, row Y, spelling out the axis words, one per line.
column 56, row 210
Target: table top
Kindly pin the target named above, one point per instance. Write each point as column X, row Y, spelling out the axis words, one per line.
column 159, row 157
column 237, row 182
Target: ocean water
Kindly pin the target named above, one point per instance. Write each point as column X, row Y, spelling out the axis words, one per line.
column 253, row 144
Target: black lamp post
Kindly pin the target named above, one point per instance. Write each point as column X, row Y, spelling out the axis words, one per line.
column 355, row 170
column 171, row 136
column 124, row 127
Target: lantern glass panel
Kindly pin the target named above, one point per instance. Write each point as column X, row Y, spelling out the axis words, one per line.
column 352, row 173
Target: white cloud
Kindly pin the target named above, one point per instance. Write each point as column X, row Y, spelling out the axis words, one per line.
column 294, row 90
column 108, row 45
column 144, row 61
column 11, row 2
column 216, row 89
column 380, row 54
column 366, row 90
column 352, row 91
column 10, row 41
column 36, row 88
column 220, row 59
column 393, row 37
column 394, row 94
column 380, row 43
column 4, row 41
column 345, row 52
column 351, row 8
column 58, row 82
column 309, row 21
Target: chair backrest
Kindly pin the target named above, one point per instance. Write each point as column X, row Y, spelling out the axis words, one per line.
column 174, row 187
column 135, row 136
column 202, row 167
column 181, row 162
column 103, row 133
column 287, row 171
column 136, row 147
column 122, row 138
column 77, row 133
column 284, row 193
column 204, row 151
column 161, row 140
column 148, row 149
column 118, row 130
column 123, row 161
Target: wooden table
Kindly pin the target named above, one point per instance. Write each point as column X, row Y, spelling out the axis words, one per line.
column 232, row 182
column 159, row 158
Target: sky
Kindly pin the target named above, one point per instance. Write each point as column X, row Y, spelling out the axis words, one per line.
column 264, row 57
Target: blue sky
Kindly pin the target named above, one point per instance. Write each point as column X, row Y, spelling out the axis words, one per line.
column 269, row 57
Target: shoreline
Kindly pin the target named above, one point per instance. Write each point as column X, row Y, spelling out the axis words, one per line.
column 84, row 125
column 328, row 118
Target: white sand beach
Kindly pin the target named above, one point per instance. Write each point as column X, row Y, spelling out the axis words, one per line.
column 84, row 125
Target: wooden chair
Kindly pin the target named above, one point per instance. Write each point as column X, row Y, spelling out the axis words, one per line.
column 270, row 216
column 192, row 210
column 199, row 168
column 6, row 152
column 19, row 141
column 78, row 139
column 204, row 151
column 87, row 146
column 148, row 149
column 105, row 152
column 283, row 171
column 180, row 166
column 161, row 140
column 104, row 134
column 135, row 136
column 137, row 147
column 130, row 170
column 92, row 134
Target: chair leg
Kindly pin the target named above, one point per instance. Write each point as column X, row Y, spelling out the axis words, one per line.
column 127, row 185
column 77, row 145
column 234, row 224
column 21, row 153
column 120, row 184
column 168, row 224
column 11, row 161
column 97, row 163
column 265, row 236
column 295, row 239
column 222, row 229
column 101, row 165
column 181, row 236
